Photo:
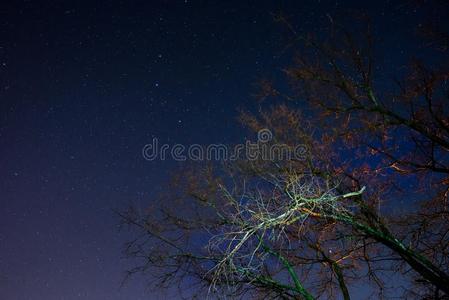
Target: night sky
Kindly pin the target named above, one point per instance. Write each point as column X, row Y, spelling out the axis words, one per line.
column 84, row 85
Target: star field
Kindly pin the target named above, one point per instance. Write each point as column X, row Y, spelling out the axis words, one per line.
column 85, row 84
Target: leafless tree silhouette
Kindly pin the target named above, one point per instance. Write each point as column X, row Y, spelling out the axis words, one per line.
column 368, row 204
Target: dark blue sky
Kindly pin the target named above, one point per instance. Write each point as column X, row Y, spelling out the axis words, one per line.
column 85, row 84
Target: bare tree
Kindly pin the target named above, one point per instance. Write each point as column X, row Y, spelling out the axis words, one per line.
column 369, row 200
